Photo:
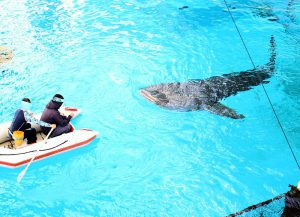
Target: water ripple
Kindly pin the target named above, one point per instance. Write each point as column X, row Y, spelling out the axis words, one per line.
column 149, row 161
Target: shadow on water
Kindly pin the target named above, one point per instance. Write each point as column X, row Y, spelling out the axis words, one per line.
column 285, row 15
column 204, row 17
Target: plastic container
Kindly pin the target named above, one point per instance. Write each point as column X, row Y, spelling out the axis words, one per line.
column 18, row 137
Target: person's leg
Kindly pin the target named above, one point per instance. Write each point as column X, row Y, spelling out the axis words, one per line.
column 30, row 135
column 26, row 126
column 60, row 130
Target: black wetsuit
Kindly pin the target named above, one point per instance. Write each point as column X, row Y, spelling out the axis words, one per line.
column 19, row 123
column 51, row 115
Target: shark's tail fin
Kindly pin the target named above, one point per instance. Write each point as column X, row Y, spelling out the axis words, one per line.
column 273, row 54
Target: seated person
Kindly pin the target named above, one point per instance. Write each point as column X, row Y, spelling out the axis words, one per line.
column 292, row 202
column 22, row 119
column 51, row 115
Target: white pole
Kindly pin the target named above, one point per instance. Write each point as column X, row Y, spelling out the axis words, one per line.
column 21, row 175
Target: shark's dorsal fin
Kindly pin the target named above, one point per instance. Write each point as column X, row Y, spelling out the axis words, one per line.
column 222, row 110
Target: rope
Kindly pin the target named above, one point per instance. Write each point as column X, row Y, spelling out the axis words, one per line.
column 47, row 149
column 269, row 100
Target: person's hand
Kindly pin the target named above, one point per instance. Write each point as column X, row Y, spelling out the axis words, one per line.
column 72, row 114
column 53, row 126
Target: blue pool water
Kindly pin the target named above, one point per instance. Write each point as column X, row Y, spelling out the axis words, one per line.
column 148, row 161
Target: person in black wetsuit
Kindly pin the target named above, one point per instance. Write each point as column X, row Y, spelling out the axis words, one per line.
column 292, row 202
column 52, row 115
column 22, row 122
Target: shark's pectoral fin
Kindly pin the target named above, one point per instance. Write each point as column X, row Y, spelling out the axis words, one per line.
column 222, row 110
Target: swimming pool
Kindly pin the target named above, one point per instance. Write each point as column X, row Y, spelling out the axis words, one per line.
column 149, row 161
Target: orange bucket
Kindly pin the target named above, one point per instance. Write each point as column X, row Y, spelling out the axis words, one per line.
column 18, row 137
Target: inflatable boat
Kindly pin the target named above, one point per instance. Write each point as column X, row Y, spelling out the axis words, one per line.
column 14, row 156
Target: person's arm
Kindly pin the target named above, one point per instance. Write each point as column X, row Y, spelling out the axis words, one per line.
column 64, row 117
column 31, row 119
column 59, row 120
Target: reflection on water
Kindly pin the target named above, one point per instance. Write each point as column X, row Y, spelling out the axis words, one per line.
column 149, row 161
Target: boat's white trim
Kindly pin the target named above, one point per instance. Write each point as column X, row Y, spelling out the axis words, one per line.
column 18, row 157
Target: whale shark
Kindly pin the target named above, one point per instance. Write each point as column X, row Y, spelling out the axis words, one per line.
column 206, row 94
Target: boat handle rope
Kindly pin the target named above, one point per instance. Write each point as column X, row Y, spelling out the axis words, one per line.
column 47, row 149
